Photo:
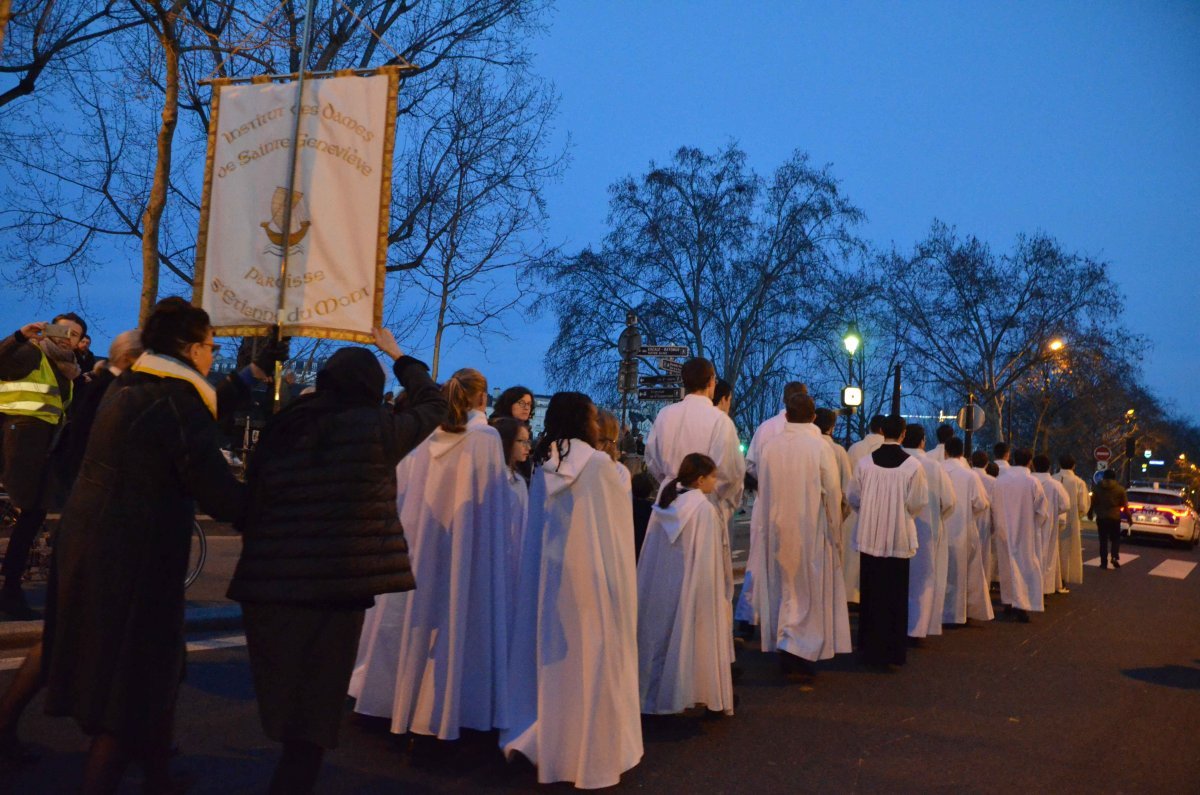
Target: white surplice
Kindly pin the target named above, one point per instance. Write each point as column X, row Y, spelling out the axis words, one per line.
column 850, row 562
column 573, row 668
column 1070, row 546
column 768, row 430
column 893, row 497
column 684, row 626
column 937, row 453
column 1018, row 510
column 451, row 663
column 1058, row 504
column 801, row 597
column 987, row 536
column 966, row 583
column 927, row 573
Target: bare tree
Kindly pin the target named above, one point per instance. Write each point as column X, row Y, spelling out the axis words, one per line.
column 746, row 271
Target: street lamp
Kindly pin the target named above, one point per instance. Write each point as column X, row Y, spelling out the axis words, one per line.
column 1057, row 345
column 852, row 340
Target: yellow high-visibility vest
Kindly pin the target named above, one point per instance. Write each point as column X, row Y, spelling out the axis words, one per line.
column 36, row 396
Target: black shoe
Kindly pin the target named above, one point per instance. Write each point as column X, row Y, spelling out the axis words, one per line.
column 1023, row 616
column 1103, row 565
column 1116, row 564
column 13, row 604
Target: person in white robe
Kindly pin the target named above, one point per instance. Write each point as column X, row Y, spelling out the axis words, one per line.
column 987, row 537
column 451, row 662
column 516, row 443
column 942, row 434
column 684, row 657
column 573, row 664
column 1018, row 510
column 927, row 575
column 1001, row 453
column 966, row 584
column 1070, row 545
column 801, row 600
column 768, row 430
column 888, row 490
column 826, row 420
column 1058, row 503
column 856, row 452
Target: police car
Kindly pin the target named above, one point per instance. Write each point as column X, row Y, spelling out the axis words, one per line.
column 1161, row 510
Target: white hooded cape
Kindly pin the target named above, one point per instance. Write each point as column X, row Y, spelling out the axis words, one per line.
column 966, row 584
column 927, row 572
column 684, row 625
column 1018, row 510
column 801, row 594
column 573, row 667
column 450, row 660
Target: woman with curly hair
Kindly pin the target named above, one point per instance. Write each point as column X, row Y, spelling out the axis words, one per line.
column 573, row 671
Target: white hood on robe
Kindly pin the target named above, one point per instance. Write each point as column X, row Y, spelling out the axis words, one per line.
column 442, row 441
column 681, row 510
column 562, row 472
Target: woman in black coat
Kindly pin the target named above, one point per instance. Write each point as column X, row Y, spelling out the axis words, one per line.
column 116, row 640
column 321, row 539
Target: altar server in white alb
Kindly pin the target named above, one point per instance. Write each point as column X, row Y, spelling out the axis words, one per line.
column 1070, row 546
column 695, row 425
column 826, row 420
column 801, row 595
column 573, row 668
column 942, row 434
column 857, row 451
column 927, row 577
column 768, row 430
column 966, row 584
column 888, row 489
column 1058, row 503
column 451, row 661
column 987, row 537
column 684, row 657
column 1018, row 511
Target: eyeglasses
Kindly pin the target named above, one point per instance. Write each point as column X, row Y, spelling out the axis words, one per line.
column 525, row 403
column 214, row 347
column 526, row 442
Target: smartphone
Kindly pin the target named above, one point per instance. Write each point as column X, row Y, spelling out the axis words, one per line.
column 55, row 331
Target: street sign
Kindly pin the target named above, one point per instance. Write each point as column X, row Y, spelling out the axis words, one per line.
column 1101, row 466
column 659, row 380
column 629, row 341
column 663, row 350
column 1148, row 453
column 977, row 418
column 672, row 366
column 659, row 393
column 1102, row 453
column 1099, row 476
column 627, row 377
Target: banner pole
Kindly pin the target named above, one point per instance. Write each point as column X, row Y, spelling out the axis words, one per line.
column 290, row 185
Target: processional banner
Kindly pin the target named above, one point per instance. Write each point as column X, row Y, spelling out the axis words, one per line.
column 336, row 241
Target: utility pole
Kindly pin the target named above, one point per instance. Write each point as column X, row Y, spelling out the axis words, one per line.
column 896, row 391
column 628, row 345
column 970, row 425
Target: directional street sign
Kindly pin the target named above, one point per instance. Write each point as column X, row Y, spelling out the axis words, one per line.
column 663, row 350
column 659, row 380
column 659, row 393
column 1102, row 453
column 672, row 366
column 1101, row 466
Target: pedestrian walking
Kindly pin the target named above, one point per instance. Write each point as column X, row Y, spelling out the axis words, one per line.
column 451, row 634
column 888, row 490
column 966, row 580
column 39, row 376
column 1108, row 500
column 1070, row 544
column 987, row 536
column 943, row 434
column 573, row 668
column 1058, row 504
column 850, row 559
column 115, row 641
column 801, row 596
column 1018, row 510
column 684, row 593
column 929, row 566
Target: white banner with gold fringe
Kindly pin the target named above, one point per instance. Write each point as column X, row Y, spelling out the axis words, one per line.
column 336, row 242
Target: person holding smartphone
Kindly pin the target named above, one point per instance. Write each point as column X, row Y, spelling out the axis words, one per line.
column 38, row 376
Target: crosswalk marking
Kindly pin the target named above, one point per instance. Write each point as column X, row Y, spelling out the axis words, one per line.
column 1175, row 569
column 1125, row 558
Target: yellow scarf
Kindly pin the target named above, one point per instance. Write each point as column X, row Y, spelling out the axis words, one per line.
column 170, row 367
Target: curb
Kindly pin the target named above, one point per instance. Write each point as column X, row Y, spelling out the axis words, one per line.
column 22, row 634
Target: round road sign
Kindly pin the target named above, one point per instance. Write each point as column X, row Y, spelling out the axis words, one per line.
column 1102, row 453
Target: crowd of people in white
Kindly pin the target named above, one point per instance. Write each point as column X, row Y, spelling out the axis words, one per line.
column 536, row 616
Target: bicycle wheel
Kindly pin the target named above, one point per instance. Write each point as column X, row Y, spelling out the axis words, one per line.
column 196, row 558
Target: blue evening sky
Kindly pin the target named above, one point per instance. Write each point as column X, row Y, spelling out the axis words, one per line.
column 1079, row 119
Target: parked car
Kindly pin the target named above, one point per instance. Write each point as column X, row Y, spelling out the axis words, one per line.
column 1161, row 510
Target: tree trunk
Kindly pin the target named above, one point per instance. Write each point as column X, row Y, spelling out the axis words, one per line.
column 152, row 219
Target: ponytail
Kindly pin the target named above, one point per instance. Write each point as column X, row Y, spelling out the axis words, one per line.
column 462, row 391
column 693, row 467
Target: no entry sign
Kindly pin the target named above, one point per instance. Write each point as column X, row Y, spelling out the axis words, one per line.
column 1102, row 453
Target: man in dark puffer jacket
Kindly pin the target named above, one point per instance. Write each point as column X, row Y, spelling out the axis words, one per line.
column 322, row 539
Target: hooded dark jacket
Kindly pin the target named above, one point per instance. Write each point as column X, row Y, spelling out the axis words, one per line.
column 322, row 528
